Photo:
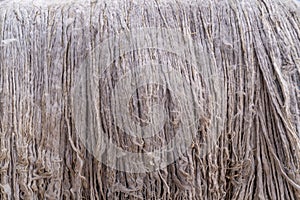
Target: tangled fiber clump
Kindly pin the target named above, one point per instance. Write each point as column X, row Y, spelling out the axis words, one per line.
column 254, row 48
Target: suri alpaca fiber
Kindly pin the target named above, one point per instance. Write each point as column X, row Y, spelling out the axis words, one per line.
column 253, row 45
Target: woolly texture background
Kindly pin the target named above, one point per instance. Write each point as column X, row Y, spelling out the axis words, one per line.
column 253, row 45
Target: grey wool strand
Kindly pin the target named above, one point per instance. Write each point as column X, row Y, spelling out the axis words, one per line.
column 254, row 46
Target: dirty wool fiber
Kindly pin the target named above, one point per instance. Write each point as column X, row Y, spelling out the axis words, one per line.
column 246, row 141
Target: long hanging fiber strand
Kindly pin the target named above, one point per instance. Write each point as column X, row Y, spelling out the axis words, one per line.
column 253, row 50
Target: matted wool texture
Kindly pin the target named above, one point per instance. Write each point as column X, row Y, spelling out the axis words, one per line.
column 227, row 88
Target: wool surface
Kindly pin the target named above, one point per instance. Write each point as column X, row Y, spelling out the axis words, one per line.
column 245, row 89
